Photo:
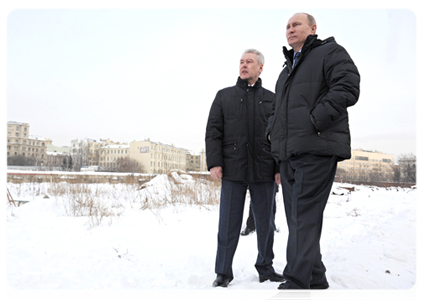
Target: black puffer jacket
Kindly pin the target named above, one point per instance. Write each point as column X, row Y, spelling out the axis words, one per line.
column 310, row 114
column 235, row 134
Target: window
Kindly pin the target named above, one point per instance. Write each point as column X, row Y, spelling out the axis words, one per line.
column 362, row 158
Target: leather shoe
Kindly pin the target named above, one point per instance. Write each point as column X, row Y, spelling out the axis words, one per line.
column 275, row 277
column 321, row 286
column 247, row 231
column 221, row 281
column 285, row 295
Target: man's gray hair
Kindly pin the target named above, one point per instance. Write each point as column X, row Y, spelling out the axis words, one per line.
column 260, row 56
column 311, row 20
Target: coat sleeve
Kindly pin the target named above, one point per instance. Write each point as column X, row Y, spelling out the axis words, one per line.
column 270, row 119
column 214, row 134
column 343, row 83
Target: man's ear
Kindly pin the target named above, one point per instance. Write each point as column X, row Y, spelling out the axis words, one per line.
column 314, row 29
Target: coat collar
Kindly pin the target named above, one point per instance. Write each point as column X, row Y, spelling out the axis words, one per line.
column 311, row 42
column 244, row 83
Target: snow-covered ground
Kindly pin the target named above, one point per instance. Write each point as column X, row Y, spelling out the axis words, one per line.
column 368, row 244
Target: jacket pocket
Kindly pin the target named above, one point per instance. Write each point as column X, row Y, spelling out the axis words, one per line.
column 266, row 147
column 266, row 106
column 230, row 149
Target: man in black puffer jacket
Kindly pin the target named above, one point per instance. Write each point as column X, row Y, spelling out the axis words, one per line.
column 309, row 134
column 238, row 153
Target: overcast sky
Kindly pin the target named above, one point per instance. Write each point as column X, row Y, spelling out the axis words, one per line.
column 133, row 74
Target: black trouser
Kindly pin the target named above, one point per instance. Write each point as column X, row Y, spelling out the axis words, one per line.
column 250, row 220
column 231, row 211
column 306, row 184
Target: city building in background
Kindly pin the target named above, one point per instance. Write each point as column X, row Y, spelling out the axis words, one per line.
column 59, row 158
column 23, row 148
column 193, row 162
column 85, row 152
column 366, row 166
column 158, row 158
column 151, row 157
column 203, row 161
column 111, row 155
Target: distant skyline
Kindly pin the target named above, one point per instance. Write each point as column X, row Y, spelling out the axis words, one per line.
column 133, row 74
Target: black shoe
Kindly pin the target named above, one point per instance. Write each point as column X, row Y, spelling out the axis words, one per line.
column 221, row 280
column 285, row 295
column 247, row 231
column 275, row 277
column 321, row 286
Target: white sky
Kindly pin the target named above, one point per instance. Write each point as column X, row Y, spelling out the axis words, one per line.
column 137, row 73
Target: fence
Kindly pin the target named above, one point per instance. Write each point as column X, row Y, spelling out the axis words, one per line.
column 77, row 177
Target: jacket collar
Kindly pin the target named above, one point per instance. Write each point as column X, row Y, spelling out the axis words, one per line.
column 244, row 83
column 311, row 42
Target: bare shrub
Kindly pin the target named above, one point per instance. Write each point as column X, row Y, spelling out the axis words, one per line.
column 100, row 202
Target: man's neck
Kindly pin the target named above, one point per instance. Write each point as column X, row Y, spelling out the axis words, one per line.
column 298, row 49
column 252, row 82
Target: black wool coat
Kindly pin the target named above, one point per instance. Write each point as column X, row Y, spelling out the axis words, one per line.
column 310, row 114
column 235, row 133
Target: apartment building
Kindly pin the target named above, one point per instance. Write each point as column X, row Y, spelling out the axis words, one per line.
column 21, row 143
column 158, row 158
column 203, row 161
column 196, row 162
column 58, row 161
column 86, row 152
column 193, row 162
column 363, row 163
column 111, row 154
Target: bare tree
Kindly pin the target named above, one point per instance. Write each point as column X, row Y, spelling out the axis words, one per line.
column 128, row 165
column 407, row 164
column 79, row 154
column 397, row 173
column 21, row 160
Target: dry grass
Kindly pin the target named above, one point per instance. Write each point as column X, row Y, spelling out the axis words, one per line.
column 101, row 203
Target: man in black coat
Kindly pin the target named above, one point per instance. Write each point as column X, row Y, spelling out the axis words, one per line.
column 239, row 154
column 309, row 134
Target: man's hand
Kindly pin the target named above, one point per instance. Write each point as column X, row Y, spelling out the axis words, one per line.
column 216, row 172
column 278, row 178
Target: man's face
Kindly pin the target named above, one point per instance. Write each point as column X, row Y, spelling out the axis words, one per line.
column 297, row 31
column 249, row 68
